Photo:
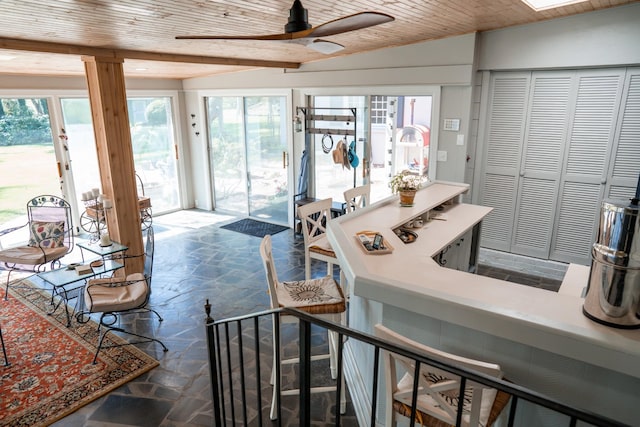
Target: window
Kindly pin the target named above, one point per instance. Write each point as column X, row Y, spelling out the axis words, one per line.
column 378, row 109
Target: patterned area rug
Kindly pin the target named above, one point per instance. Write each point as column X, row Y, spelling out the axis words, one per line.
column 51, row 372
column 254, row 228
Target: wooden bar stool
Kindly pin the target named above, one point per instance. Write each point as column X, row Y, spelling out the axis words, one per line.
column 321, row 297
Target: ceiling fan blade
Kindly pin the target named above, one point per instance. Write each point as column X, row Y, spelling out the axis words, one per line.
column 298, row 27
column 345, row 24
column 283, row 36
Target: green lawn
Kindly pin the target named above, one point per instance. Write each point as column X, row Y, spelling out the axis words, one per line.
column 26, row 171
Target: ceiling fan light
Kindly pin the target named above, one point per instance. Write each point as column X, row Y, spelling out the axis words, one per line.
column 324, row 46
column 298, row 18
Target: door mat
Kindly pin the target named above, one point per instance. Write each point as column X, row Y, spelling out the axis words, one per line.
column 51, row 373
column 254, row 228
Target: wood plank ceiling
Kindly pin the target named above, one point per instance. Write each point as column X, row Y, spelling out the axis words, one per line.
column 48, row 37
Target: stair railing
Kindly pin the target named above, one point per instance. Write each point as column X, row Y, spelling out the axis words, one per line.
column 236, row 367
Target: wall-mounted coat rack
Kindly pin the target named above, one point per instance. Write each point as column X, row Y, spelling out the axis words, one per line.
column 312, row 115
column 346, row 115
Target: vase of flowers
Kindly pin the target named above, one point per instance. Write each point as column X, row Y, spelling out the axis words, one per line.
column 405, row 184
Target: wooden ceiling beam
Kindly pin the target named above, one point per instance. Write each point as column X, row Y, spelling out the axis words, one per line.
column 71, row 49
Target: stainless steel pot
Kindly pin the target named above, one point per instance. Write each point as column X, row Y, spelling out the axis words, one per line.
column 613, row 293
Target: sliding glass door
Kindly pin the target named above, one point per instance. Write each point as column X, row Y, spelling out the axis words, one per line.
column 393, row 133
column 27, row 157
column 154, row 149
column 248, row 148
column 155, row 152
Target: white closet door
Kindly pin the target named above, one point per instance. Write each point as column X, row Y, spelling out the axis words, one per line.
column 625, row 165
column 506, row 120
column 543, row 157
column 557, row 144
column 591, row 135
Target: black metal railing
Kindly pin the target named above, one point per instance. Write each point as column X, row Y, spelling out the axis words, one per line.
column 238, row 349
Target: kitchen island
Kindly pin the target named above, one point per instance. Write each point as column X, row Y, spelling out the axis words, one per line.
column 427, row 291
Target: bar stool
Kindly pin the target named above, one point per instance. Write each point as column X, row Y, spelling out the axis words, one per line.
column 438, row 390
column 357, row 197
column 321, row 297
column 315, row 216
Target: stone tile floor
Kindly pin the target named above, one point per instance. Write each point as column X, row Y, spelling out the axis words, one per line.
column 196, row 260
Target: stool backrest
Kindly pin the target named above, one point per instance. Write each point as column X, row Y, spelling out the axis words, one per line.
column 314, row 216
column 438, row 393
column 266, row 253
column 357, row 197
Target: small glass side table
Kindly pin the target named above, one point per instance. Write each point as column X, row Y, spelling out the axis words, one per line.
column 102, row 251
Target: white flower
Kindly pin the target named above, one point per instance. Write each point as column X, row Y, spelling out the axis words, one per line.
column 405, row 180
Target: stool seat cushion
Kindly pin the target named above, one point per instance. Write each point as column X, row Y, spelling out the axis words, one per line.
column 492, row 405
column 315, row 296
column 322, row 246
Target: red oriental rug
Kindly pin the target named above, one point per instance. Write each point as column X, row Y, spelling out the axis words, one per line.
column 51, row 372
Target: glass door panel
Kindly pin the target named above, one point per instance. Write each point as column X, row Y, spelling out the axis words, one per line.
column 248, row 139
column 78, row 126
column 400, row 139
column 27, row 157
column 152, row 138
column 155, row 151
column 331, row 179
column 226, row 133
column 266, row 164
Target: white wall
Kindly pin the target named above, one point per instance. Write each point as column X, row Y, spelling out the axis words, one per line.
column 610, row 37
column 446, row 61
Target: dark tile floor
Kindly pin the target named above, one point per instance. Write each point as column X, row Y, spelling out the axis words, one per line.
column 196, row 260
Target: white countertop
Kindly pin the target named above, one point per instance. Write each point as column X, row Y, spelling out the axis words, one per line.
column 410, row 279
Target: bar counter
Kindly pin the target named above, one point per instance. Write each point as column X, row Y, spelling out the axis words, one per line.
column 541, row 338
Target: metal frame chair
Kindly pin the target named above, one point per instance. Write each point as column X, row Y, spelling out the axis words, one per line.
column 4, row 350
column 321, row 297
column 42, row 211
column 116, row 296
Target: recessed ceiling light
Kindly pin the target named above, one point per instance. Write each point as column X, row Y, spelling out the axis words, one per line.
column 539, row 5
column 141, row 69
column 6, row 57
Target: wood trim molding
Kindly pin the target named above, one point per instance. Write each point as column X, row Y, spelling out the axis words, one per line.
column 71, row 49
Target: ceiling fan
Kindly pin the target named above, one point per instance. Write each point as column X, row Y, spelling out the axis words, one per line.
column 298, row 29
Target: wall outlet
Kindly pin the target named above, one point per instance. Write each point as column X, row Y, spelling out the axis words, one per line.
column 442, row 156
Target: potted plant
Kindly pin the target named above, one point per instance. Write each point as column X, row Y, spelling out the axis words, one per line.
column 405, row 184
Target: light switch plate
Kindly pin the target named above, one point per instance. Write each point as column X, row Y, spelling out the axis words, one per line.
column 460, row 139
column 442, row 156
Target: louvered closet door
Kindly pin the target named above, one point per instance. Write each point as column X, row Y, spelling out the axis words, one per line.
column 590, row 138
column 506, row 119
column 544, row 142
column 625, row 164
